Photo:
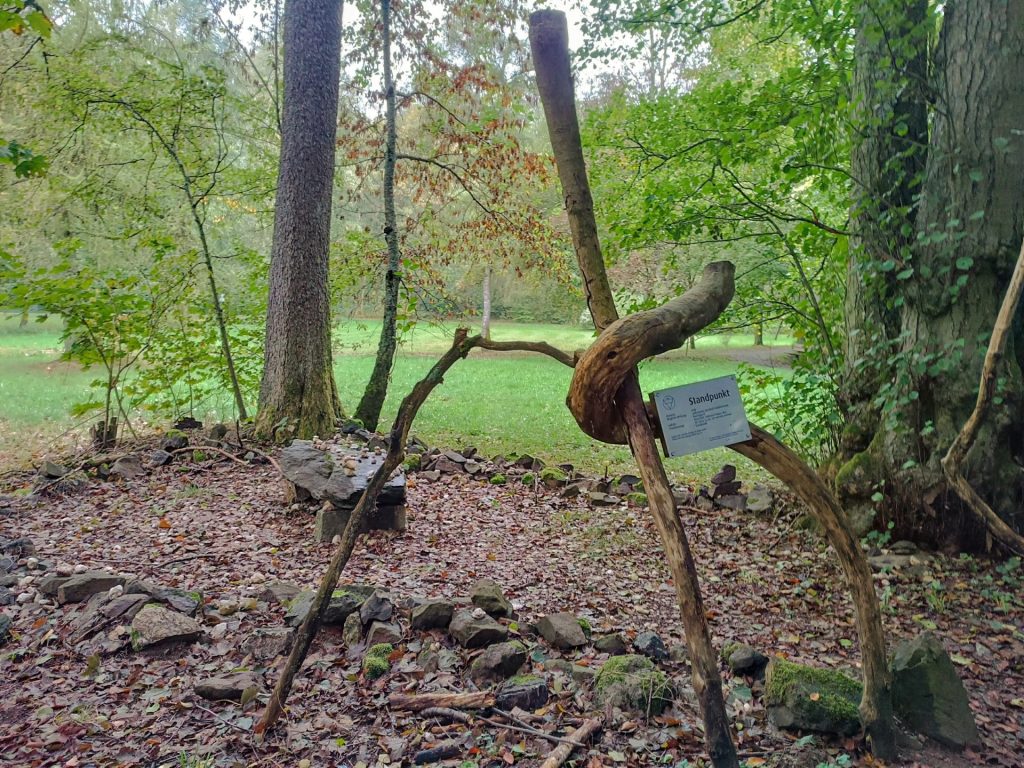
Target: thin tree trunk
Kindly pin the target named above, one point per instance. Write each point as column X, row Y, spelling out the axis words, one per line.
column 298, row 396
column 368, row 411
column 485, row 323
column 549, row 41
column 758, row 334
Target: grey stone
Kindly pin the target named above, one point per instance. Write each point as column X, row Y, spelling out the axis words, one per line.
column 6, row 596
column 298, row 607
column 562, row 630
column 227, row 688
column 344, row 601
column 527, row 692
column 128, row 467
column 458, row 458
column 50, row 583
column 352, row 631
column 760, row 500
column 736, row 501
column 181, row 600
column 811, row 699
column 632, row 683
column 160, row 458
column 651, row 646
column 331, row 520
column 84, row 585
column 432, row 614
column 280, row 592
column 218, row 431
column 903, row 548
column 431, row 476
column 679, row 653
column 377, row 607
column 599, row 499
column 472, row 632
column 22, row 547
column 614, row 644
column 383, row 632
column 499, row 661
column 446, row 466
column 577, row 672
column 487, row 594
column 745, row 660
column 174, row 441
column 7, row 564
column 5, row 628
column 267, row 643
column 155, row 625
column 928, row 695
column 52, row 470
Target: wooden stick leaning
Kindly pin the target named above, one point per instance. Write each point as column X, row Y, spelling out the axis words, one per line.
column 396, row 453
column 952, row 462
column 577, row 738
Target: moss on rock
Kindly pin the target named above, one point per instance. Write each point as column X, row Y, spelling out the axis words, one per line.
column 498, row 479
column 813, row 699
column 633, row 682
column 375, row 666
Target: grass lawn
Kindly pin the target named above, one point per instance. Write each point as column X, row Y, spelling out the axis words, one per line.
column 500, row 403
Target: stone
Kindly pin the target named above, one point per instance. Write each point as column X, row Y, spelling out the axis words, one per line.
column 431, row 476
column 344, row 601
column 218, row 431
column 383, row 632
column 377, row 607
column 128, row 467
column 52, row 470
column 528, row 692
column 727, row 474
column 735, row 501
column 352, row 631
column 599, row 499
column 174, row 440
column 51, row 583
column 744, row 659
column 5, row 628
column 577, row 672
column 267, row 643
column 498, row 661
column 458, row 458
column 446, row 466
column 903, row 548
column 280, row 592
column 811, row 699
column 227, row 688
column 651, row 646
column 562, row 630
column 299, row 607
column 155, row 625
column 7, row 564
column 760, row 499
column 22, row 547
column 927, row 693
column 432, row 614
column 486, row 594
column 181, row 600
column 679, row 653
column 160, row 458
column 6, row 596
column 471, row 632
column 331, row 521
column 632, row 683
column 614, row 644
column 85, row 585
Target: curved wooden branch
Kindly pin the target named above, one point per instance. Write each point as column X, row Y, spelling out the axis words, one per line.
column 952, row 462
column 610, row 360
column 876, row 703
column 529, row 346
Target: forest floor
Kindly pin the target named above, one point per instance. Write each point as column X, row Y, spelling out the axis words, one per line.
column 225, row 531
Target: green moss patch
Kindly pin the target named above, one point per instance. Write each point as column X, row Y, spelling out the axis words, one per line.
column 633, row 682
column 812, row 699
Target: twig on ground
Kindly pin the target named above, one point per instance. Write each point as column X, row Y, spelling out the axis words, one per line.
column 576, row 739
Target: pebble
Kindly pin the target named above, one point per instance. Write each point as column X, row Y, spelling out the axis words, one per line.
column 81, row 568
column 115, row 591
column 32, row 563
column 479, row 613
column 25, row 581
column 219, row 630
column 64, row 570
column 24, row 597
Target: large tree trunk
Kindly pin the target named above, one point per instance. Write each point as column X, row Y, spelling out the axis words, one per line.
column 966, row 234
column 298, row 396
column 376, row 390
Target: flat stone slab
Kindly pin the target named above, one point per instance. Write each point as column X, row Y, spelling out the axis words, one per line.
column 85, row 585
column 337, row 475
column 154, row 625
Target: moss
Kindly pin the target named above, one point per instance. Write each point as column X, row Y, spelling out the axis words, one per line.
column 553, row 473
column 640, row 499
column 412, row 462
column 633, row 682
column 381, row 650
column 528, row 478
column 498, row 479
column 175, row 433
column 375, row 666
column 136, row 639
column 585, row 626
column 727, row 650
column 524, row 680
column 831, row 692
column 859, row 476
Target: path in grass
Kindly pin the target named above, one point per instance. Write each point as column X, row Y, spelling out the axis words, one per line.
column 500, row 403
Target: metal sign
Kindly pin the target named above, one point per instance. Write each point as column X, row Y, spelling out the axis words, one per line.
column 696, row 417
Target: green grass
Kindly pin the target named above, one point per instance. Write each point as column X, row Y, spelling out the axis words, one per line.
column 500, row 403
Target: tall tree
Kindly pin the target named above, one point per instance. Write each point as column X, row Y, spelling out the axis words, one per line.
column 934, row 261
column 298, row 396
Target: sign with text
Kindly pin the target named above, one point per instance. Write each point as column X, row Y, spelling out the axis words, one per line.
column 696, row 417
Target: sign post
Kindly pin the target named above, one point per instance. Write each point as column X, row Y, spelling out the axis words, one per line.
column 696, row 417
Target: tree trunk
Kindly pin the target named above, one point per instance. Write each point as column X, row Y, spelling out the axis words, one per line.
column 485, row 323
column 962, row 247
column 298, row 396
column 758, row 334
column 370, row 405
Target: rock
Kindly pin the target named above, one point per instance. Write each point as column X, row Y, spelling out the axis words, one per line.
column 218, row 431
column 5, row 628
column 811, row 699
column 267, row 643
column 446, row 466
column 181, row 600
column 458, row 458
column 227, row 688
column 430, row 476
column 599, row 499
column 633, row 683
column 7, row 564
column 562, row 630
column 174, row 440
column 760, row 499
column 155, row 625
column 51, row 583
column 614, row 644
column 651, row 646
column 6, row 596
column 499, row 661
column 280, row 592
column 432, row 614
column 577, row 672
column 128, row 467
column 472, row 632
column 927, row 693
column 160, row 458
column 487, row 594
column 299, row 607
column 473, row 467
column 383, row 633
column 22, row 547
column 352, row 631
column 736, row 501
column 903, row 548
column 679, row 653
column 52, row 470
column 528, row 692
column 344, row 601
column 682, row 495
column 743, row 659
column 85, row 585
column 377, row 607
